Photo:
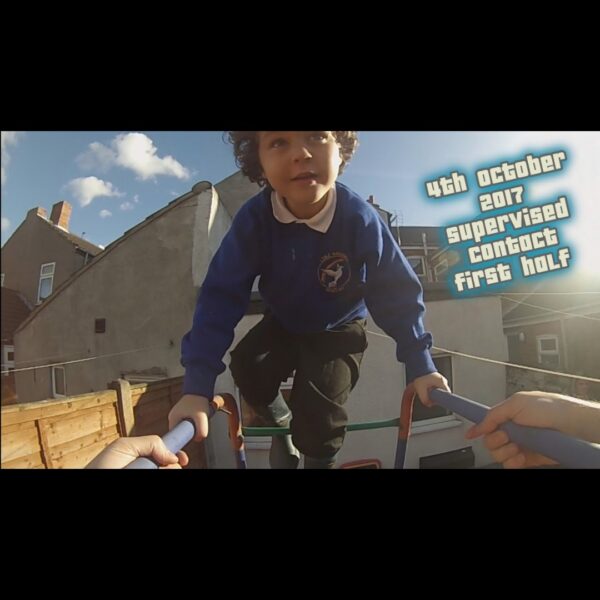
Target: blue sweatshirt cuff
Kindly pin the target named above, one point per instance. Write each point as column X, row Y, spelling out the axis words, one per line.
column 419, row 364
column 199, row 381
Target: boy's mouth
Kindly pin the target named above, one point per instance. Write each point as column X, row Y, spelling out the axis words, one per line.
column 305, row 175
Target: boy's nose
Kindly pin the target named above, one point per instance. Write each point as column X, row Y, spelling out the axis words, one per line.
column 301, row 152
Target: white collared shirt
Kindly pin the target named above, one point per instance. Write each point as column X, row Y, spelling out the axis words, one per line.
column 319, row 222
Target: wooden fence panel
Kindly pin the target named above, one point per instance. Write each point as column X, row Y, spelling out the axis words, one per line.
column 81, row 424
column 20, row 443
column 21, row 413
column 32, row 461
column 61, row 450
column 80, row 458
column 70, row 432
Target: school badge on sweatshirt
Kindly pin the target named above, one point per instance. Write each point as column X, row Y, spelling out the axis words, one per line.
column 334, row 272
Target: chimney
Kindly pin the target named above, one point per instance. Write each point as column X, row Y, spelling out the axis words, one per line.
column 371, row 200
column 61, row 213
column 37, row 211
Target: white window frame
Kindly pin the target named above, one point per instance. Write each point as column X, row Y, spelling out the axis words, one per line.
column 541, row 353
column 7, row 365
column 422, row 259
column 64, row 376
column 46, row 276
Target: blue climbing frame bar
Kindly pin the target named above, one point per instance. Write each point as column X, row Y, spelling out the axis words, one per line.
column 184, row 432
column 568, row 451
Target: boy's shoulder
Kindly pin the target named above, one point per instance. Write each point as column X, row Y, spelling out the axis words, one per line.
column 354, row 204
column 256, row 204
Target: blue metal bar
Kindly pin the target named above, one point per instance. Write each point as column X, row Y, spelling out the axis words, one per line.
column 568, row 451
column 174, row 440
column 185, row 431
column 181, row 435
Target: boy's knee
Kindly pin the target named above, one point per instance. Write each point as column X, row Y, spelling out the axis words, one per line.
column 318, row 429
column 324, row 445
column 333, row 381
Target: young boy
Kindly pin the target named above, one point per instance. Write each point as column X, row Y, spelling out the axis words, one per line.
column 324, row 256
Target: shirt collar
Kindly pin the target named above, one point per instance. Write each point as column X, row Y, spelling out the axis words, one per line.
column 319, row 222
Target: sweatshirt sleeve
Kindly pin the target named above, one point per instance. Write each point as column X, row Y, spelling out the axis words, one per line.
column 394, row 298
column 222, row 302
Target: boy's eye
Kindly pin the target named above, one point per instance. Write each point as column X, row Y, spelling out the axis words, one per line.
column 315, row 136
column 320, row 135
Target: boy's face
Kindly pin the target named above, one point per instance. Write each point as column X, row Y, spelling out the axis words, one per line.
column 301, row 166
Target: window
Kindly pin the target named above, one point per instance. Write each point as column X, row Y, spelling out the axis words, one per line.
column 100, row 326
column 59, row 387
column 443, row 363
column 547, row 350
column 46, row 280
column 8, row 359
column 418, row 264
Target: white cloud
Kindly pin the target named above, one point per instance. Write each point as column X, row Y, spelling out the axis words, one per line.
column 127, row 206
column 136, row 198
column 105, row 213
column 97, row 157
column 85, row 189
column 5, row 223
column 134, row 151
column 7, row 138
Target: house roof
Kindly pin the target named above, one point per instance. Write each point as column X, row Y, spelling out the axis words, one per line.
column 15, row 310
column 197, row 188
column 77, row 241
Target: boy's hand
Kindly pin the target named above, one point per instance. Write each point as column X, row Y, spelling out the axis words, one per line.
column 426, row 382
column 195, row 408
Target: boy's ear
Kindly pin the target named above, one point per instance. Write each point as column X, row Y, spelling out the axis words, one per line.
column 264, row 177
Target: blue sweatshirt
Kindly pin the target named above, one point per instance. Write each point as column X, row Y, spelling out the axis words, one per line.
column 311, row 281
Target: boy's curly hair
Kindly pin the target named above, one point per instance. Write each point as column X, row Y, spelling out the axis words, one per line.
column 245, row 149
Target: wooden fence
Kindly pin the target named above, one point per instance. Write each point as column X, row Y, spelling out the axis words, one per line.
column 68, row 433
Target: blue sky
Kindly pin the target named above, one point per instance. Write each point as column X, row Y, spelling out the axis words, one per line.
column 116, row 179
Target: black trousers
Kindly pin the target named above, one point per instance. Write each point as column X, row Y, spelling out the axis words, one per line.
column 327, row 366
